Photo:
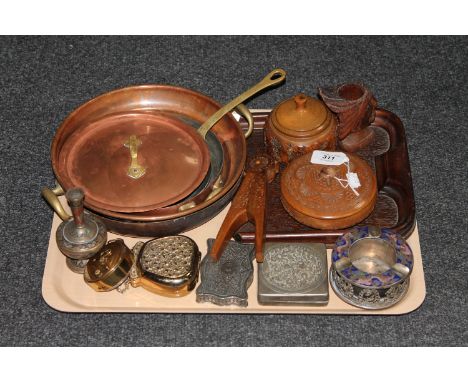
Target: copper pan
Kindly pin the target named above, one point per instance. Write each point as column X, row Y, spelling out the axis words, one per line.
column 131, row 162
column 213, row 183
column 156, row 99
column 149, row 99
column 134, row 162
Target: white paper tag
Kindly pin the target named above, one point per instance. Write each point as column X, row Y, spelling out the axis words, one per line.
column 353, row 180
column 328, row 157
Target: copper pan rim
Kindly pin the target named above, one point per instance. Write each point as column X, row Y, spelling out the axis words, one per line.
column 135, row 217
column 159, row 214
column 62, row 127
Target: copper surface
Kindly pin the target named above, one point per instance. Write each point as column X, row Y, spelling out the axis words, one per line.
column 97, row 159
column 91, row 156
column 179, row 104
column 170, row 226
column 313, row 196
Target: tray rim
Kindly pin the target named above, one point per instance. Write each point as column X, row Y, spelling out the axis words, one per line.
column 56, row 274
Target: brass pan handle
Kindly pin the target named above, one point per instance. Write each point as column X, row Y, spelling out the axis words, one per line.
column 244, row 110
column 51, row 197
column 218, row 185
column 275, row 77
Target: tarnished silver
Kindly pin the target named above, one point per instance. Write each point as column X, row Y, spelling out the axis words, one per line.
column 226, row 281
column 367, row 298
column 371, row 267
column 293, row 274
column 75, row 244
column 77, row 266
column 82, row 236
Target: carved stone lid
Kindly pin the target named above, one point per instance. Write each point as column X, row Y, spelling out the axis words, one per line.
column 316, row 194
column 301, row 116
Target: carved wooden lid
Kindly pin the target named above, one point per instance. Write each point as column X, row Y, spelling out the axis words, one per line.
column 301, row 116
column 316, row 195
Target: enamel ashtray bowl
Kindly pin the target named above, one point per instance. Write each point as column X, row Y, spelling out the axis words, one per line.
column 371, row 267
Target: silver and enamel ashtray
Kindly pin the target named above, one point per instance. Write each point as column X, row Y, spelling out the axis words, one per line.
column 371, row 267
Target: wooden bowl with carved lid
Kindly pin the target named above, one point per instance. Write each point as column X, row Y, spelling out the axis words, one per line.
column 319, row 195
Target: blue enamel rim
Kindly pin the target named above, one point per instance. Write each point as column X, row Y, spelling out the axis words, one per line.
column 386, row 279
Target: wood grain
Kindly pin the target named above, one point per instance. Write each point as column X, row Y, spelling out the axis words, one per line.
column 387, row 155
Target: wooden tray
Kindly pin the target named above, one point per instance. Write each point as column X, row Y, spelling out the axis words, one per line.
column 388, row 156
column 66, row 291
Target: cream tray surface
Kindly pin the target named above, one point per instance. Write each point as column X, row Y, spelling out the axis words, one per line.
column 66, row 291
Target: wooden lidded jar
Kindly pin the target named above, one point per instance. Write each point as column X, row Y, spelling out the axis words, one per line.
column 299, row 125
column 317, row 195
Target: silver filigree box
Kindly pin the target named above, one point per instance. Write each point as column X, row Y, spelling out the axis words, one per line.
column 293, row 274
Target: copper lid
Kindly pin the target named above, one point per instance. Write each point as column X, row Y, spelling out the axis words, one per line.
column 313, row 195
column 134, row 162
column 110, row 267
column 301, row 116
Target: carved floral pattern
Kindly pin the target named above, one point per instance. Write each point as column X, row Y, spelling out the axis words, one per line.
column 293, row 267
